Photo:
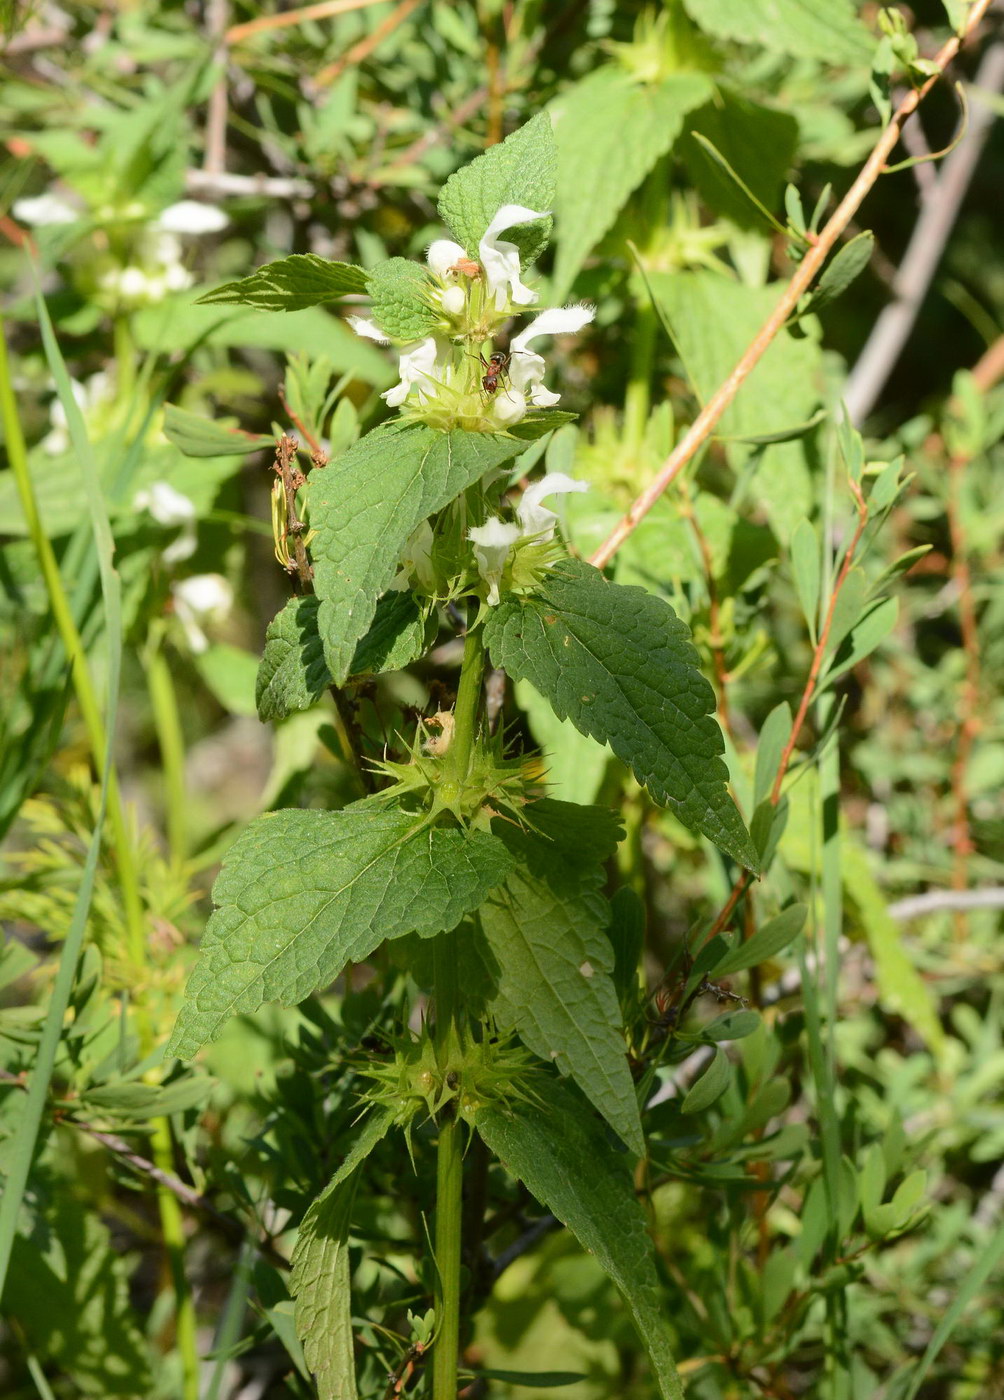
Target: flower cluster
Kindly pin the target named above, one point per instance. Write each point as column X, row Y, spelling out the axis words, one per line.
column 452, row 378
column 499, row 543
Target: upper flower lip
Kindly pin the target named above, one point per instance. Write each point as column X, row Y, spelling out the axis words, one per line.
column 500, row 259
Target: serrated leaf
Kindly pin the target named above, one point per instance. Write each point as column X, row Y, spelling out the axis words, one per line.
column 711, row 1085
column 567, row 1164
column 824, row 29
column 806, row 569
column 319, row 1281
column 293, row 674
column 400, row 290
column 520, row 170
column 364, row 506
column 546, row 927
column 769, row 939
column 774, row 736
column 290, row 284
column 610, row 130
column 202, row 437
column 302, row 893
column 619, row 664
column 841, row 271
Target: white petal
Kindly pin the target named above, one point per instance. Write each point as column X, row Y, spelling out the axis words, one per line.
column 133, row 283
column 509, row 406
column 543, row 397
column 526, row 370
column 189, row 216
column 557, row 320
column 509, row 216
column 207, row 595
column 183, row 547
column 368, row 329
column 443, row 254
column 165, row 504
column 492, row 542
column 536, row 519
column 45, row 209
column 500, row 259
column 454, row 300
column 416, row 366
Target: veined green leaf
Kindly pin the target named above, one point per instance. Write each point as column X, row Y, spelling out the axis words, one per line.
column 400, row 290
column 806, row 567
column 774, row 736
column 619, row 664
column 319, row 1281
column 568, row 1165
column 364, row 506
column 546, row 926
column 291, row 284
column 710, row 1086
column 841, row 271
column 826, row 29
column 770, row 938
column 302, row 893
column 202, row 437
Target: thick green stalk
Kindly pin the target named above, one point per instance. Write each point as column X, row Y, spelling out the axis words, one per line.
column 449, row 1182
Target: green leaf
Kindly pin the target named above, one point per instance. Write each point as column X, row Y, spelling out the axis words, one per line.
column 774, row 736
column 711, row 321
column 293, row 674
column 291, row 284
column 202, row 437
column 400, row 292
column 769, row 939
column 805, row 566
column 711, row 1085
column 610, row 130
column 539, row 1380
column 841, row 271
column 319, row 1281
column 733, row 1025
column 72, row 1299
column 567, row 1164
column 229, row 672
column 302, row 893
column 866, row 634
column 752, row 149
column 575, row 763
column 364, row 506
column 520, row 170
column 824, row 29
column 619, row 664
column 738, row 184
column 546, row 927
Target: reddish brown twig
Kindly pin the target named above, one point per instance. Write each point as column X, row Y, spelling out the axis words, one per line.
column 323, row 10
column 805, row 274
column 361, row 51
column 715, row 641
column 969, row 699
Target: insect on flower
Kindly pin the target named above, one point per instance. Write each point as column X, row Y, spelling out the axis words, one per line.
column 466, row 267
column 494, row 367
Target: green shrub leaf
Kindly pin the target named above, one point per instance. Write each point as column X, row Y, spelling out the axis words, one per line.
column 826, row 29
column 770, row 938
column 202, row 437
column 291, row 284
column 400, row 290
column 302, row 893
column 619, row 664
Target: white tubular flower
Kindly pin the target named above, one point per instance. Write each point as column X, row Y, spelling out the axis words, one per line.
column 509, row 406
column 444, row 254
column 416, row 368
column 203, row 598
column 453, row 300
column 526, row 368
column 500, row 259
column 45, row 209
column 535, row 520
column 189, row 216
column 368, row 329
column 169, row 507
column 492, row 542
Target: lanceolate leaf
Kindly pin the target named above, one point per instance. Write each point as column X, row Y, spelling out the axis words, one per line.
column 302, row 893
column 546, row 926
column 202, row 437
column 293, row 674
column 619, row 664
column 291, row 284
column 364, row 506
column 610, row 130
column 320, row 1278
column 564, row 1159
column 520, row 170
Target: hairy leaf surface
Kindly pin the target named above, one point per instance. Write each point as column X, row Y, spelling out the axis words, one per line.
column 320, row 1271
column 564, row 1159
column 619, row 664
column 364, row 506
column 546, row 927
column 302, row 893
column 826, row 29
column 400, row 289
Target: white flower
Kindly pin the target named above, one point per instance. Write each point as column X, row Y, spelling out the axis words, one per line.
column 453, row 299
column 416, row 367
column 509, row 406
column 500, row 259
column 169, row 507
column 443, row 254
column 526, row 367
column 535, row 520
column 45, row 209
column 189, row 216
column 492, row 542
column 368, row 329
column 97, row 390
column 203, row 598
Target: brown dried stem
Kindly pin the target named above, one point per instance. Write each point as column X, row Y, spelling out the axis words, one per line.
column 361, row 51
column 323, row 10
column 805, row 274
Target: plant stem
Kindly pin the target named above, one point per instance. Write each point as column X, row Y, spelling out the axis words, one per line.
column 449, row 1180
column 465, row 713
column 638, row 397
column 171, row 742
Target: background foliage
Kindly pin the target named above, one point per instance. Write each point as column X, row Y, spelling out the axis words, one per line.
column 823, row 1180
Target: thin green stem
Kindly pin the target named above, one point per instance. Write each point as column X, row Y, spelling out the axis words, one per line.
column 638, row 396
column 449, row 1182
column 467, row 710
column 172, row 1228
column 171, row 742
